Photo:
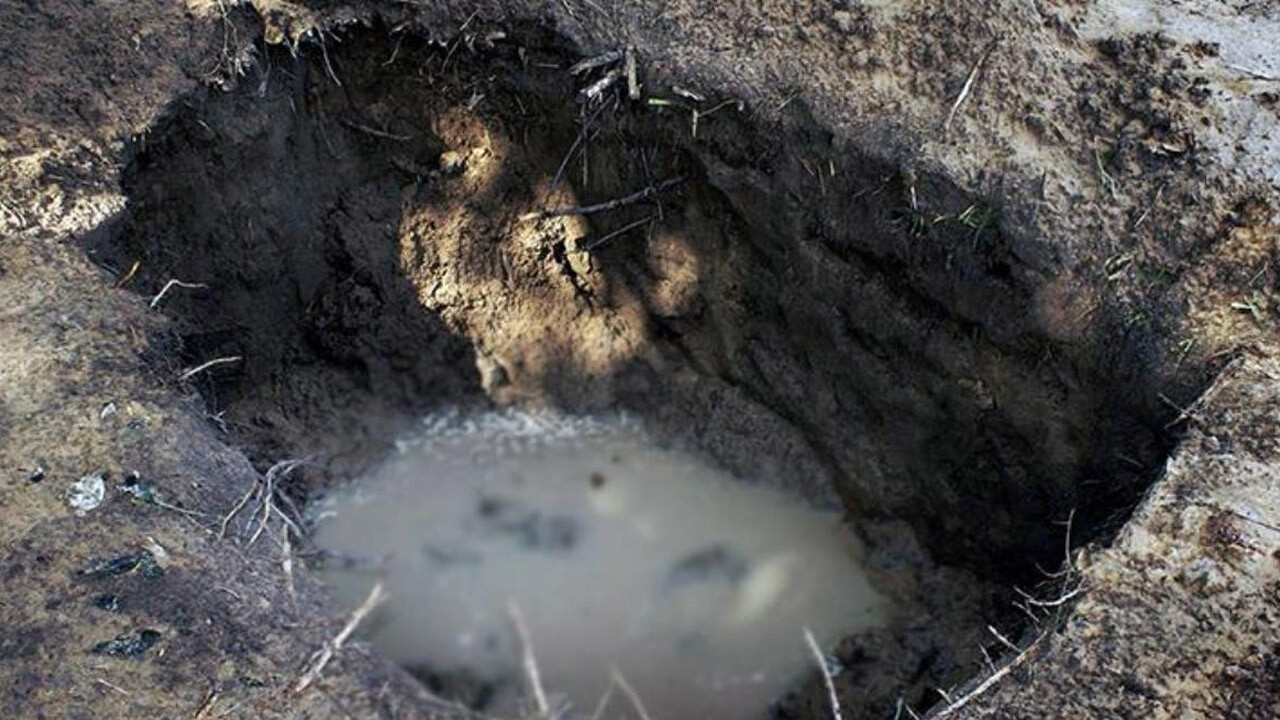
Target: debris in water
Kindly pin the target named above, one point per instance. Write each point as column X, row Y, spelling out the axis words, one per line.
column 87, row 493
column 128, row 644
column 619, row 550
column 709, row 564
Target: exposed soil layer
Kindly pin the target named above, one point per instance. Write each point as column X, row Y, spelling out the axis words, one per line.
column 964, row 268
column 365, row 249
column 364, row 234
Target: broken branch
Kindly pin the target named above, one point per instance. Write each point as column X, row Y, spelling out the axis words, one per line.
column 609, row 58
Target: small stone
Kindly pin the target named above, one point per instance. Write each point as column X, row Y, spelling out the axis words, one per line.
column 128, row 644
column 142, row 561
column 452, row 162
column 715, row 563
column 134, row 485
column 87, row 493
column 1204, row 576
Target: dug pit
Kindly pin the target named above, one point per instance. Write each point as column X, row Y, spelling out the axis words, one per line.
column 374, row 229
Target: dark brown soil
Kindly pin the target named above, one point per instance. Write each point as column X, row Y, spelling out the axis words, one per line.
column 980, row 327
column 363, row 248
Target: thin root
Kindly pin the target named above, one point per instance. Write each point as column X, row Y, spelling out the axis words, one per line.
column 321, row 657
column 167, row 286
column 188, row 374
column 610, row 205
column 826, row 673
column 529, row 661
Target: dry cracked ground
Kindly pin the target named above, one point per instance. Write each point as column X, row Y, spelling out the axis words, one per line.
column 999, row 276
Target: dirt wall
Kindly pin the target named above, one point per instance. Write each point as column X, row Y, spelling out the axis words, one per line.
column 1129, row 258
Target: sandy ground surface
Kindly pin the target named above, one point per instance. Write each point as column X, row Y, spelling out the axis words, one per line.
column 976, row 268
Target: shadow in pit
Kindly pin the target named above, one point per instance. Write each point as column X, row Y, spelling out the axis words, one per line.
column 358, row 221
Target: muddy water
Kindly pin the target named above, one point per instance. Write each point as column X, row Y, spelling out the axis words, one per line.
column 620, row 554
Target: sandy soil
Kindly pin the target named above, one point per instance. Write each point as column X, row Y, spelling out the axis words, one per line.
column 969, row 268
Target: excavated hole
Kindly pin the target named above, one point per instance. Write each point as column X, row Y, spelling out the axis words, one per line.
column 797, row 311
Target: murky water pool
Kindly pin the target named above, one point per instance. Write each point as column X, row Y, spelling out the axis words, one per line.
column 620, row 555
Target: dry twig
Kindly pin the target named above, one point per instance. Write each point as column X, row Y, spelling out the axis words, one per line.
column 597, row 88
column 610, row 58
column 968, row 84
column 133, row 270
column 633, row 82
column 113, row 686
column 210, row 699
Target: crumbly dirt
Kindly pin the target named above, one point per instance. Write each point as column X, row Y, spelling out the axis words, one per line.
column 976, row 324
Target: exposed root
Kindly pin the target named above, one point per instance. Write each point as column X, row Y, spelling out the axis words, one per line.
column 113, row 686
column 614, row 204
column 604, row 700
column 192, row 372
column 266, row 493
column 167, row 286
column 375, row 132
column 968, row 85
column 631, row 694
column 1003, row 640
column 826, row 673
column 992, row 679
column 622, row 230
column 267, row 505
column 529, row 661
column 322, row 656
